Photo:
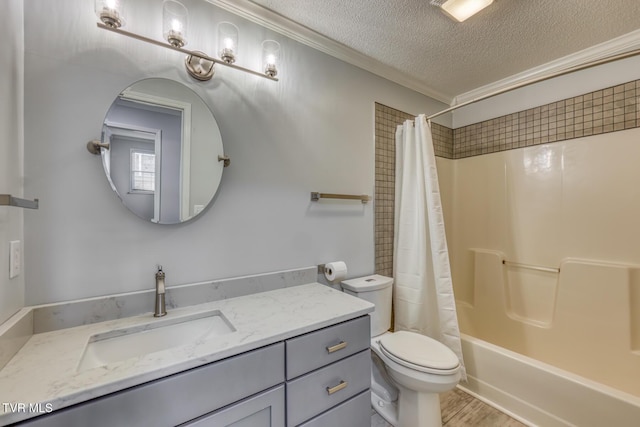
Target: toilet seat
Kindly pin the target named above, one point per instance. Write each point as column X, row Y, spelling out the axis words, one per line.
column 419, row 352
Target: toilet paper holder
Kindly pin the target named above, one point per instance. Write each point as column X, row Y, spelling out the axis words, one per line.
column 334, row 271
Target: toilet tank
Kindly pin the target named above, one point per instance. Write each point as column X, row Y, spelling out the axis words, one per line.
column 377, row 290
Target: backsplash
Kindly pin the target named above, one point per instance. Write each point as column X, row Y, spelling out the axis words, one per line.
column 51, row 317
column 607, row 110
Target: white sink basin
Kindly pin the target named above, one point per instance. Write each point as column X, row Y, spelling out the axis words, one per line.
column 157, row 335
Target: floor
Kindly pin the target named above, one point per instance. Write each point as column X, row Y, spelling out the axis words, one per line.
column 459, row 409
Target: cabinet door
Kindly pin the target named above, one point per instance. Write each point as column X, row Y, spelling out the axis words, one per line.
column 262, row 410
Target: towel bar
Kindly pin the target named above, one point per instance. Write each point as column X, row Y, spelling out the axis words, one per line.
column 9, row 200
column 317, row 196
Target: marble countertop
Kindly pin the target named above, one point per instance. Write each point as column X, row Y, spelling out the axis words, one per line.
column 45, row 370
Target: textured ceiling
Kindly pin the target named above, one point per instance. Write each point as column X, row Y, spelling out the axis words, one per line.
column 507, row 38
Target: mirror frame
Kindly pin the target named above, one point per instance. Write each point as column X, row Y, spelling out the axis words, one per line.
column 206, row 133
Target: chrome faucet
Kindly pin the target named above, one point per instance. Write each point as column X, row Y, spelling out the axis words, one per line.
column 161, row 309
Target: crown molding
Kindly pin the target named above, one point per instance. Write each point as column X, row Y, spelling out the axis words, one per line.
column 615, row 46
column 288, row 28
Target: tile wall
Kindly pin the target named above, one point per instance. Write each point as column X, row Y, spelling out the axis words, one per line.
column 387, row 119
column 608, row 110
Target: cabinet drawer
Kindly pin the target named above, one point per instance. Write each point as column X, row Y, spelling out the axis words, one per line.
column 316, row 349
column 179, row 398
column 266, row 409
column 311, row 394
column 355, row 412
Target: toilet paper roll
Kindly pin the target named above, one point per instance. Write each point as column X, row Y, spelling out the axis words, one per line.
column 335, row 271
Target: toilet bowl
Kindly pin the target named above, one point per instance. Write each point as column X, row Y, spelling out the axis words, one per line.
column 409, row 369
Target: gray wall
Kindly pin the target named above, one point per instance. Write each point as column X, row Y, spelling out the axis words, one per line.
column 312, row 131
column 11, row 150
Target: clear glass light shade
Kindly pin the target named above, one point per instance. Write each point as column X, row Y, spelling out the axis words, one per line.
column 227, row 42
column 175, row 18
column 110, row 12
column 461, row 10
column 270, row 57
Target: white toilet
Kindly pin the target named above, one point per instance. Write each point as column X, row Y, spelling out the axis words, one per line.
column 408, row 369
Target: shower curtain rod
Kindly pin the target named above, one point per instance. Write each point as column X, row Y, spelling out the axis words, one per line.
column 540, row 79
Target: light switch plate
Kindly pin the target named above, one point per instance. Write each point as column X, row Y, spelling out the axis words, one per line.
column 15, row 259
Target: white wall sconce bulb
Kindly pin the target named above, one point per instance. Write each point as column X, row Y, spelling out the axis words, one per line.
column 227, row 42
column 270, row 57
column 174, row 23
column 110, row 12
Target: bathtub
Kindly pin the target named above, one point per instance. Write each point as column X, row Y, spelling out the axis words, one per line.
column 539, row 394
column 556, row 347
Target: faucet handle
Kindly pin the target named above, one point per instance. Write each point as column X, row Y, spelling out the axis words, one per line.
column 160, row 273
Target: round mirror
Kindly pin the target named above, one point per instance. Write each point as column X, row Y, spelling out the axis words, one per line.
column 162, row 151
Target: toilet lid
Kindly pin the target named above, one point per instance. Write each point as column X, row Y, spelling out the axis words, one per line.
column 419, row 352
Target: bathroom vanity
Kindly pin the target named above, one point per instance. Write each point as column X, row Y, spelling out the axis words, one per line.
column 297, row 356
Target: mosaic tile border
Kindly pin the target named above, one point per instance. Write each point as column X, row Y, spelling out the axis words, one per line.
column 608, row 110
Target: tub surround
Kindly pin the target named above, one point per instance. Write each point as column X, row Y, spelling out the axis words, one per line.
column 583, row 319
column 259, row 319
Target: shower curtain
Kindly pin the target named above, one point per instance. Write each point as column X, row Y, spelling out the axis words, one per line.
column 423, row 299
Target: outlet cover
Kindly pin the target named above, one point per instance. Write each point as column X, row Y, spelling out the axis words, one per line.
column 15, row 259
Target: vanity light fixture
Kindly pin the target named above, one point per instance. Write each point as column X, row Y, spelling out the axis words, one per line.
column 460, row 10
column 174, row 30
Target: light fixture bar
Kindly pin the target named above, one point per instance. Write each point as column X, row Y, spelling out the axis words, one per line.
column 182, row 50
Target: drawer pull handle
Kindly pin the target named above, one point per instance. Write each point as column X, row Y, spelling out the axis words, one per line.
column 332, row 349
column 331, row 390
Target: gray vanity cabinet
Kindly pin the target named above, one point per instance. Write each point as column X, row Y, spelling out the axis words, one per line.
column 319, row 379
